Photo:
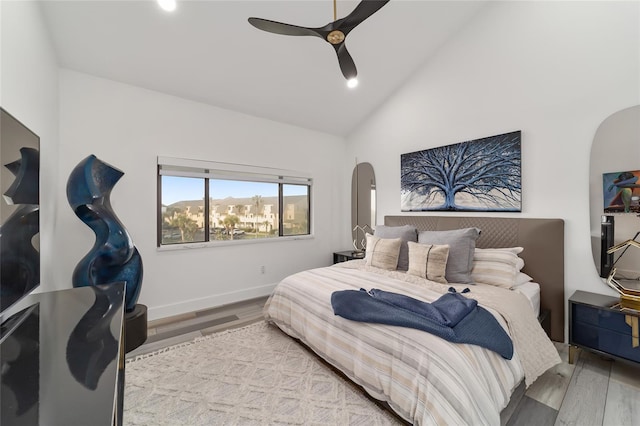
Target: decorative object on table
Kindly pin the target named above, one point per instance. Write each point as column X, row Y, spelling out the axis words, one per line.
column 621, row 192
column 478, row 175
column 91, row 346
column 19, row 211
column 363, row 205
column 629, row 289
column 360, row 243
column 334, row 32
column 113, row 257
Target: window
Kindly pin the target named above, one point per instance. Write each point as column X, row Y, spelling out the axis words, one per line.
column 295, row 202
column 204, row 201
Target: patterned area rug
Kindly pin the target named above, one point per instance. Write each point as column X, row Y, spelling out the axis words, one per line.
column 255, row 375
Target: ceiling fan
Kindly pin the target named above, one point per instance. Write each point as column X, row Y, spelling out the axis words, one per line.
column 334, row 32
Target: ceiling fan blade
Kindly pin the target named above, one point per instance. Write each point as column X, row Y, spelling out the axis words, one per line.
column 362, row 11
column 347, row 66
column 281, row 28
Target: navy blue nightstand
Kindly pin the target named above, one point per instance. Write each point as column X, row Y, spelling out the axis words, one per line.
column 599, row 324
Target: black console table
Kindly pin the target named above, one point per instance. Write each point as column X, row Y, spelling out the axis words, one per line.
column 62, row 357
column 599, row 324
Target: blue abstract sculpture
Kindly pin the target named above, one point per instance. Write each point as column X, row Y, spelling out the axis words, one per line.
column 113, row 257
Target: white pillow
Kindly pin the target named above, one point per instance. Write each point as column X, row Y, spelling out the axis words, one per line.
column 522, row 278
column 383, row 253
column 498, row 267
column 514, row 250
column 428, row 261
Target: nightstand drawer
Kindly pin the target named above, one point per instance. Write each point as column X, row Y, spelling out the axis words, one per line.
column 611, row 342
column 585, row 314
column 614, row 321
column 585, row 334
column 619, row 344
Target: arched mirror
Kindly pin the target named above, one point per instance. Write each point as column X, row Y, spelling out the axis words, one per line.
column 614, row 180
column 363, row 203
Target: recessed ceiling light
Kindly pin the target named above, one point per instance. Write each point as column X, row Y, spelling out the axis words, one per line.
column 168, row 5
column 352, row 83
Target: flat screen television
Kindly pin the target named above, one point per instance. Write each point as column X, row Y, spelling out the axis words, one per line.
column 19, row 211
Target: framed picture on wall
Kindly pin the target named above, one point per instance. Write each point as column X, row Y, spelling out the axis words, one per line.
column 621, row 192
column 478, row 175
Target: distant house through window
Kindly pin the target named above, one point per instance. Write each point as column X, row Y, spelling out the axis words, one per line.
column 203, row 201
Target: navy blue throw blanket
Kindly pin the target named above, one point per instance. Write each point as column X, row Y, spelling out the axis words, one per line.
column 452, row 317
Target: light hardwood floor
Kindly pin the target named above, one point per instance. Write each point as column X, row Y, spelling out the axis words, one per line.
column 593, row 391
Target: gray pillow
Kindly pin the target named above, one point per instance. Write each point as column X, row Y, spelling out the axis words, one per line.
column 462, row 243
column 405, row 233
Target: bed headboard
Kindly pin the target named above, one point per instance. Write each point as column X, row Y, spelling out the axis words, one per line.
column 543, row 242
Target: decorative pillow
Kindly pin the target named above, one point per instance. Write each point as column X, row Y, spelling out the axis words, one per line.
column 382, row 252
column 497, row 267
column 428, row 261
column 406, row 233
column 462, row 243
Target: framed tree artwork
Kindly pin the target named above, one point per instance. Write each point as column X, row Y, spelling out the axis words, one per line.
column 478, row 175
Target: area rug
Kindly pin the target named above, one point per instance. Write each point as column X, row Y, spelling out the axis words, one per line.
column 255, row 375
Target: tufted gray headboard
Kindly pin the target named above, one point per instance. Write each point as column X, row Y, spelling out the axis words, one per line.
column 543, row 242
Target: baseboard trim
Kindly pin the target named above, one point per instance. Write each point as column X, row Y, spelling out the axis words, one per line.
column 159, row 312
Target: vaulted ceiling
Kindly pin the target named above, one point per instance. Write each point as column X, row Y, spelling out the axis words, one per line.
column 206, row 51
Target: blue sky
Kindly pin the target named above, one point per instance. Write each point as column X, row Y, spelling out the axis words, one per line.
column 176, row 189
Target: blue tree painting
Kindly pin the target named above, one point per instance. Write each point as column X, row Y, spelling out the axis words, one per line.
column 478, row 175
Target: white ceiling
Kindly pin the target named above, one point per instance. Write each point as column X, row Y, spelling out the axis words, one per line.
column 207, row 51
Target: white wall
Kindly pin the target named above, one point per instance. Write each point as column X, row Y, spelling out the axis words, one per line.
column 554, row 70
column 29, row 92
column 128, row 127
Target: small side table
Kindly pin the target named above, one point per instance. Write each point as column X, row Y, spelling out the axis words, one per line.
column 343, row 256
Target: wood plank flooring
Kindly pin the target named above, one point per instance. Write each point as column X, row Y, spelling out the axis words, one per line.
column 592, row 392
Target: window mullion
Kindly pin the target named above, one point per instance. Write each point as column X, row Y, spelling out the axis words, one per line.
column 280, row 210
column 207, row 225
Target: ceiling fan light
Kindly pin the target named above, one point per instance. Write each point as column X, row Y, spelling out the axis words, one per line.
column 168, row 5
column 352, row 83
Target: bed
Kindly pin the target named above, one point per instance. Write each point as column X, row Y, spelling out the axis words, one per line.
column 421, row 377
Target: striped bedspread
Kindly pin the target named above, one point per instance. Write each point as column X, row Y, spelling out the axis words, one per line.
column 425, row 379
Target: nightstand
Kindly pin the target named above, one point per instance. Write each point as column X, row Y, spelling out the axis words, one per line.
column 599, row 324
column 343, row 256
